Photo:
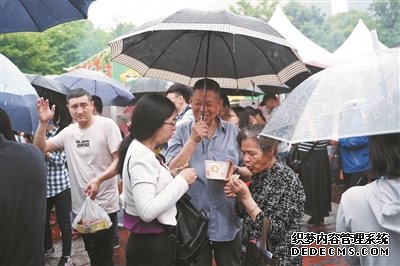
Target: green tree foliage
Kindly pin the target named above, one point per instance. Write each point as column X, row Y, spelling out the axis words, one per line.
column 309, row 20
column 263, row 9
column 339, row 27
column 387, row 14
column 27, row 51
column 121, row 29
column 331, row 31
column 57, row 48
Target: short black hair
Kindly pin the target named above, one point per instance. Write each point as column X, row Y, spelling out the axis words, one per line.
column 5, row 126
column 225, row 100
column 182, row 90
column 384, row 153
column 98, row 103
column 268, row 96
column 244, row 120
column 211, row 85
column 79, row 92
column 254, row 112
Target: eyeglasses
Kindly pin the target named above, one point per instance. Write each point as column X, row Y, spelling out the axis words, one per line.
column 173, row 123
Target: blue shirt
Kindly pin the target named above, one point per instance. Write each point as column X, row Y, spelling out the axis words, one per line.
column 207, row 194
column 354, row 154
column 57, row 172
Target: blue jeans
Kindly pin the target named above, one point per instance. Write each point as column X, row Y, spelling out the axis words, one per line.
column 62, row 203
column 99, row 245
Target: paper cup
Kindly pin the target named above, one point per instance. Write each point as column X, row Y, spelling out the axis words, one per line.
column 216, row 170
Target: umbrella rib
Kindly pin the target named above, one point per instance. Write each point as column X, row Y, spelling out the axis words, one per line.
column 27, row 11
column 265, row 56
column 198, row 54
column 233, row 58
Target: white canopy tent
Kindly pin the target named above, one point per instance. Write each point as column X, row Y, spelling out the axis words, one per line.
column 361, row 41
column 309, row 51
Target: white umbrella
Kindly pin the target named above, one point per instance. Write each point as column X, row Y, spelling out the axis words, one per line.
column 356, row 98
column 97, row 83
column 17, row 97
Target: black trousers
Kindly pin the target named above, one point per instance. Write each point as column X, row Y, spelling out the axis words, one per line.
column 62, row 203
column 149, row 250
column 99, row 245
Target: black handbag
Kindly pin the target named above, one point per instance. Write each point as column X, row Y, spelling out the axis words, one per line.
column 191, row 232
column 190, row 235
column 259, row 254
column 293, row 160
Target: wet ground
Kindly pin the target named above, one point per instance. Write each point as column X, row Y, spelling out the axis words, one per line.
column 80, row 257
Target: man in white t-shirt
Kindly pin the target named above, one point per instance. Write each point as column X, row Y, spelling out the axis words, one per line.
column 91, row 145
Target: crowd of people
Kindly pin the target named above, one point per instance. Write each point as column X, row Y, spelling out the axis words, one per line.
column 161, row 155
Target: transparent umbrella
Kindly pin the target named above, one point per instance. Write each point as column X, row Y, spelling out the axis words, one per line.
column 356, row 98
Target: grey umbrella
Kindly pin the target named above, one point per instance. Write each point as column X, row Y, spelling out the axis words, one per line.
column 55, row 92
column 236, row 51
column 146, row 85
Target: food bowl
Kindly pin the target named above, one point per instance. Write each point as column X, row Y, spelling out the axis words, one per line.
column 216, row 170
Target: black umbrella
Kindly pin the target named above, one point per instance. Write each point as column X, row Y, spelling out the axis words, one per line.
column 236, row 51
column 39, row 15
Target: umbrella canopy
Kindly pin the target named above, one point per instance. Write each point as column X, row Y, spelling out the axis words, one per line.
column 236, row 51
column 55, row 92
column 47, row 83
column 97, row 83
column 356, row 98
column 17, row 97
column 37, row 16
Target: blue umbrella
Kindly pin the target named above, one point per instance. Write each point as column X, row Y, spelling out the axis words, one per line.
column 97, row 83
column 39, row 15
column 17, row 97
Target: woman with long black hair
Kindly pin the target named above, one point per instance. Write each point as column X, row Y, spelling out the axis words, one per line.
column 150, row 191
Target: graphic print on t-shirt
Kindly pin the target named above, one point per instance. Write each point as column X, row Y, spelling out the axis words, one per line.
column 82, row 144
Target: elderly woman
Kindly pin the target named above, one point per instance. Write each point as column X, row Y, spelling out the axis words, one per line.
column 275, row 193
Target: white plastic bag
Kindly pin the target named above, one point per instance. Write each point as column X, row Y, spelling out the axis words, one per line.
column 91, row 218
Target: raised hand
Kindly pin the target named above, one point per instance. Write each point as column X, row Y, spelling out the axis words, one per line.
column 44, row 111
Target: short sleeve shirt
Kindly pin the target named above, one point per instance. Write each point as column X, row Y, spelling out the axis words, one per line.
column 89, row 153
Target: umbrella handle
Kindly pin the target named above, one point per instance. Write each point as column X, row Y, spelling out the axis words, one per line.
column 203, row 108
